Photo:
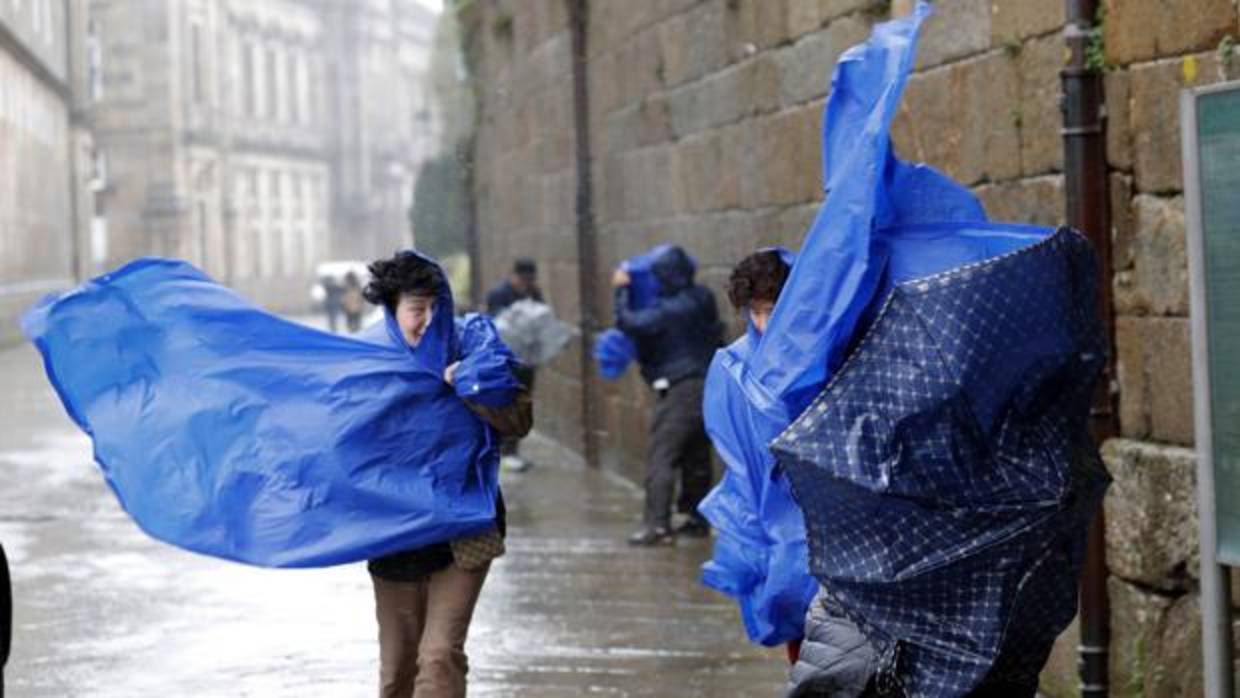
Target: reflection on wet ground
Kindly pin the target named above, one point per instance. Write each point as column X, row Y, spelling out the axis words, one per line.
column 103, row 610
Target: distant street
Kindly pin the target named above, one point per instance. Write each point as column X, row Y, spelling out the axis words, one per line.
column 102, row 610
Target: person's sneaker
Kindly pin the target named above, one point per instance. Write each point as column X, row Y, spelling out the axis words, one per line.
column 515, row 464
column 652, row 536
column 694, row 527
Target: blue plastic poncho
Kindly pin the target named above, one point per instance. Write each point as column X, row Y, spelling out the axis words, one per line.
column 230, row 432
column 754, row 390
column 613, row 349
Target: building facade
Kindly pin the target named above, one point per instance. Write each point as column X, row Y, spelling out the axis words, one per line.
column 38, row 250
column 254, row 139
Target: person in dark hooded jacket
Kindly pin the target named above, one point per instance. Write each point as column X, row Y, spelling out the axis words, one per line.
column 676, row 338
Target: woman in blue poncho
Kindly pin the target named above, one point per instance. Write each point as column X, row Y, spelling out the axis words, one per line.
column 229, row 432
column 425, row 597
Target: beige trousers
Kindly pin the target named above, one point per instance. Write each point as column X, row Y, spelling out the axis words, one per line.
column 422, row 630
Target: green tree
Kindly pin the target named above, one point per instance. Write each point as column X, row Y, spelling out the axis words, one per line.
column 439, row 214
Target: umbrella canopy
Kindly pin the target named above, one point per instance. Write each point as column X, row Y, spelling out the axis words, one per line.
column 946, row 473
column 533, row 332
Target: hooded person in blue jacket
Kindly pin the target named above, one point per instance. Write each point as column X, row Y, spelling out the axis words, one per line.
column 834, row 659
column 425, row 597
column 676, row 338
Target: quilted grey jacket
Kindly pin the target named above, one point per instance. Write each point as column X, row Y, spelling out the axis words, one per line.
column 836, row 660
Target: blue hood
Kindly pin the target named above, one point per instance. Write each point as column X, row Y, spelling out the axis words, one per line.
column 439, row 345
column 674, row 270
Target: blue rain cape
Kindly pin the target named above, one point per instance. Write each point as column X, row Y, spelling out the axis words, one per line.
column 233, row 433
column 613, row 349
column 883, row 220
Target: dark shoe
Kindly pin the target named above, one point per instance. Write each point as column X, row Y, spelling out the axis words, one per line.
column 652, row 536
column 694, row 527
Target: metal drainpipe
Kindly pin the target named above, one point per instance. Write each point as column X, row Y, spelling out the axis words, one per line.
column 587, row 249
column 1087, row 210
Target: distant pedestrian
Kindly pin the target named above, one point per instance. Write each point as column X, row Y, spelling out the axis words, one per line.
column 352, row 302
column 332, row 294
column 521, row 284
column 425, row 597
column 675, row 338
column 6, row 615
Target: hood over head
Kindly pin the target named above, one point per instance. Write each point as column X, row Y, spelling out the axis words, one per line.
column 438, row 346
column 674, row 269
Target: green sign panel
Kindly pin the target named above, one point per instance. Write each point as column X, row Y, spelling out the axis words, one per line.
column 1218, row 153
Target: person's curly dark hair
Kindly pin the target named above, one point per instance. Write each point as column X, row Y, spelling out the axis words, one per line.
column 406, row 273
column 758, row 277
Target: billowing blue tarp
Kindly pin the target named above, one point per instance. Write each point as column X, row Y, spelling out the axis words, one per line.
column 861, row 242
column 614, row 350
column 230, row 432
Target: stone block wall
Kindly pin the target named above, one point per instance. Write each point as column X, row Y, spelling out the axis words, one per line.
column 525, row 176
column 1153, row 49
column 705, row 122
column 705, row 118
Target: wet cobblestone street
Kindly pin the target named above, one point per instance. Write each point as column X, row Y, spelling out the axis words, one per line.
column 571, row 610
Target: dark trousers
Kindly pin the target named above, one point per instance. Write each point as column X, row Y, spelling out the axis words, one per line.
column 677, row 443
column 508, row 446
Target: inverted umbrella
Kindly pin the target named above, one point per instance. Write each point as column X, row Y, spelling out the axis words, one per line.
column 946, row 473
column 533, row 332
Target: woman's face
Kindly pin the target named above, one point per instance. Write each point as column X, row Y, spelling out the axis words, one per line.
column 413, row 315
column 760, row 314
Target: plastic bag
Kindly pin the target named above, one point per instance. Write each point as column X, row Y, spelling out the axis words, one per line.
column 230, row 432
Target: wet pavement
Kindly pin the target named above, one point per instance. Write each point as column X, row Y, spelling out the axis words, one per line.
column 102, row 610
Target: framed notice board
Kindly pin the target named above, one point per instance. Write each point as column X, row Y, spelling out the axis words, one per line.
column 1210, row 133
